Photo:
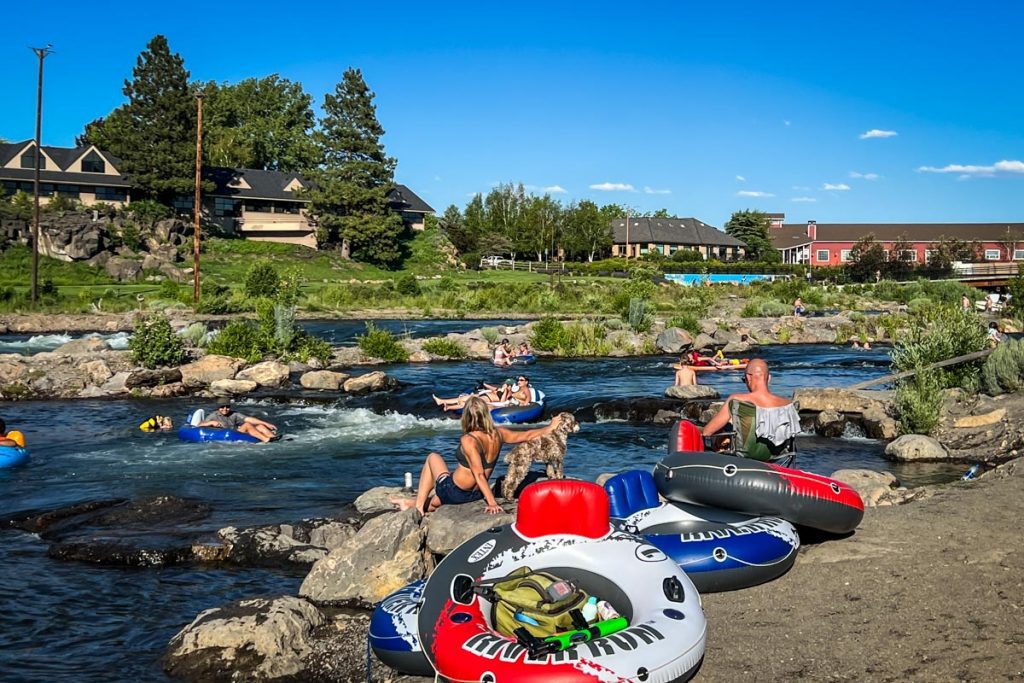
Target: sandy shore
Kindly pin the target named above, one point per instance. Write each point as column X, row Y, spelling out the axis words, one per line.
column 929, row 591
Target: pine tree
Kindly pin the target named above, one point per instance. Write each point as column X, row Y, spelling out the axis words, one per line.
column 349, row 200
column 154, row 131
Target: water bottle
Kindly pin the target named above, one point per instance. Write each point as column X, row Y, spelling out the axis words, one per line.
column 590, row 609
column 973, row 472
column 408, row 482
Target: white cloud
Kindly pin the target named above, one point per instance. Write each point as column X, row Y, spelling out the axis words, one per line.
column 753, row 193
column 555, row 189
column 801, row 188
column 651, row 190
column 803, row 199
column 971, row 170
column 613, row 187
column 864, row 176
column 875, row 133
column 836, row 186
column 741, row 179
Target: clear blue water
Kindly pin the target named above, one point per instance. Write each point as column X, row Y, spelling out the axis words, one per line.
column 72, row 621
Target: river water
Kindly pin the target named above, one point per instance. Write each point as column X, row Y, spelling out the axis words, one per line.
column 71, row 621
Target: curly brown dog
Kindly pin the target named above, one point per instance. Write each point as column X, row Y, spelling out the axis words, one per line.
column 549, row 450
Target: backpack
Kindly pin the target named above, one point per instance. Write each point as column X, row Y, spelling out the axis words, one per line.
column 542, row 600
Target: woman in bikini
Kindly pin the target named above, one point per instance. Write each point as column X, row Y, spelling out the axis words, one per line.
column 496, row 396
column 476, row 455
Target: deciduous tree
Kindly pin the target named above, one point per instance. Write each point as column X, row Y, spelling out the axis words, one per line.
column 588, row 229
column 866, row 257
column 751, row 228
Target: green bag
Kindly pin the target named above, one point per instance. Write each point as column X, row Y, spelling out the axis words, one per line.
column 537, row 596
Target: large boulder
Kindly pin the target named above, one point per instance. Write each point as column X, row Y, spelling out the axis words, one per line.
column 703, row 342
column 691, row 391
column 269, row 373
column 86, row 346
column 282, row 545
column 124, row 270
column 875, row 488
column 96, row 371
column 381, row 558
column 262, row 639
column 830, row 423
column 371, row 381
column 85, row 244
column 451, row 525
column 674, row 340
column 916, row 448
column 378, row 499
column 209, row 369
column 232, row 387
column 879, row 425
column 172, row 272
column 152, row 378
column 816, row 400
column 324, row 380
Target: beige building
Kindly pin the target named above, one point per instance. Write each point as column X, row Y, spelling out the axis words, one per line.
column 254, row 204
column 647, row 234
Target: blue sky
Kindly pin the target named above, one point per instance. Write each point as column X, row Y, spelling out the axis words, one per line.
column 836, row 112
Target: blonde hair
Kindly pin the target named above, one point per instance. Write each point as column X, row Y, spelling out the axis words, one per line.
column 476, row 417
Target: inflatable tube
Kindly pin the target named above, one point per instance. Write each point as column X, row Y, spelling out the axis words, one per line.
column 393, row 636
column 719, row 550
column 525, row 359
column 202, row 434
column 717, row 368
column 752, row 487
column 12, row 456
column 517, row 414
column 665, row 638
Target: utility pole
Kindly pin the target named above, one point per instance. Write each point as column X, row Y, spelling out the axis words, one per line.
column 41, row 52
column 196, row 206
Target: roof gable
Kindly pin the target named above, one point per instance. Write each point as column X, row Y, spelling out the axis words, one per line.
column 681, row 231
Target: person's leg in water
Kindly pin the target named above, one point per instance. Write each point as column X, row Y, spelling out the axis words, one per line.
column 433, row 467
column 263, row 435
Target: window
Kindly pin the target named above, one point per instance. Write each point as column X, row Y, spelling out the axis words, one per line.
column 28, row 160
column 12, row 186
column 929, row 255
column 991, row 254
column 111, row 194
column 644, row 250
column 844, row 255
column 909, row 255
column 1018, row 254
column 823, row 256
column 182, row 203
column 93, row 163
column 68, row 191
column 225, row 206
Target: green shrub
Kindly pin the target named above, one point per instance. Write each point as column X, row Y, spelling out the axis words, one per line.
column 196, row 334
column 149, row 211
column 764, row 308
column 262, row 280
column 685, row 321
column 919, row 402
column 637, row 316
column 583, row 338
column 785, row 334
column 490, row 334
column 169, row 289
column 307, row 346
column 919, row 305
column 379, row 343
column 687, row 256
column 547, row 334
column 407, row 285
column 240, row 339
column 449, row 348
column 940, row 333
column 154, row 343
column 1003, row 371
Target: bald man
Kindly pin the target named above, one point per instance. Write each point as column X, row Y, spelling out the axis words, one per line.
column 757, row 378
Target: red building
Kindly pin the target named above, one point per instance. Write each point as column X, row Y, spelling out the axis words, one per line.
column 829, row 244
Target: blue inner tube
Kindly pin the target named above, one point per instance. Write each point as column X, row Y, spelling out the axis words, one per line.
column 525, row 359
column 393, row 631
column 718, row 549
column 201, row 434
column 517, row 414
column 12, row 456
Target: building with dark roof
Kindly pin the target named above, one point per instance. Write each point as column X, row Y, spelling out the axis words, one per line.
column 256, row 204
column 646, row 234
column 829, row 244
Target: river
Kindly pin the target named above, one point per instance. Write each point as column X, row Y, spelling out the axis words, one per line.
column 79, row 622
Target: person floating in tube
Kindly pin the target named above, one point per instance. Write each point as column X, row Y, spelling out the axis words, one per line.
column 226, row 418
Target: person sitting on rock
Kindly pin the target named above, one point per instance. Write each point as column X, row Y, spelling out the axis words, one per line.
column 684, row 375
column 776, row 414
column 476, row 455
column 226, row 418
